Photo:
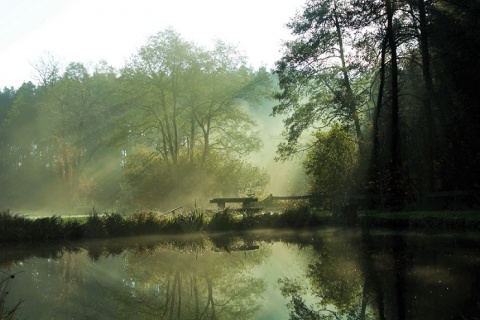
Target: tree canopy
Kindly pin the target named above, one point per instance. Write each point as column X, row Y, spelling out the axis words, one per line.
column 175, row 120
column 394, row 74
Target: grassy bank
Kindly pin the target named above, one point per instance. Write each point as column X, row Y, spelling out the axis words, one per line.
column 17, row 227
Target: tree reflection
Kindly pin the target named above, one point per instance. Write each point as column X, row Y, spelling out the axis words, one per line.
column 208, row 284
column 335, row 283
column 332, row 274
column 369, row 276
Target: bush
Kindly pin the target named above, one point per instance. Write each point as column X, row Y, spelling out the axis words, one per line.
column 14, row 226
column 222, row 220
column 145, row 222
column 116, row 225
column 94, row 227
column 192, row 222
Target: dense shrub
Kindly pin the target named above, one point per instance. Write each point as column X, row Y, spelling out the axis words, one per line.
column 222, row 220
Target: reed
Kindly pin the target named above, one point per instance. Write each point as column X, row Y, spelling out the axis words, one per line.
column 15, row 227
column 7, row 312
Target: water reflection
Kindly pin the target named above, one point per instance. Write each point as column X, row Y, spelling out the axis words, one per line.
column 191, row 284
column 387, row 276
column 327, row 274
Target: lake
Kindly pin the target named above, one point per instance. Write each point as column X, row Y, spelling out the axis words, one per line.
column 331, row 273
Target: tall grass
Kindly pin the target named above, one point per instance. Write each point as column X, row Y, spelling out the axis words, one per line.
column 16, row 227
column 6, row 312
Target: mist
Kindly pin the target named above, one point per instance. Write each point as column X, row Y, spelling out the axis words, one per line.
column 92, row 138
column 286, row 177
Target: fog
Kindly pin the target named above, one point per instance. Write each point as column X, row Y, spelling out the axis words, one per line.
column 286, row 177
column 43, row 173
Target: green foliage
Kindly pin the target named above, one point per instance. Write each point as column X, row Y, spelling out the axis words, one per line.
column 187, row 223
column 386, row 89
column 320, row 81
column 95, row 225
column 116, row 225
column 188, row 101
column 298, row 215
column 222, row 220
column 13, row 226
column 48, row 228
column 299, row 310
column 145, row 222
column 231, row 176
column 335, row 278
column 153, row 181
column 45, row 229
column 332, row 163
column 159, row 125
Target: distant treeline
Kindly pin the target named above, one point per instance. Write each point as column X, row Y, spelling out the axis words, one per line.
column 173, row 123
column 387, row 89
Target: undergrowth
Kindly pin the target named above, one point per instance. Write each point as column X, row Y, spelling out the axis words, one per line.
column 16, row 227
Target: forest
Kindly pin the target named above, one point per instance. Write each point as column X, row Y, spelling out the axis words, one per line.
column 377, row 97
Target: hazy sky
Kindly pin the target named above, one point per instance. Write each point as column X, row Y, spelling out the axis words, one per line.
column 112, row 30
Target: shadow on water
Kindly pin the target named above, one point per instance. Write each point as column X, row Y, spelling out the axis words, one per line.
column 326, row 274
column 375, row 275
column 413, row 276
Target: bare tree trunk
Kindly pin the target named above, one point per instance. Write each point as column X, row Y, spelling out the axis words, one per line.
column 168, row 130
column 175, row 129
column 191, row 144
column 206, row 141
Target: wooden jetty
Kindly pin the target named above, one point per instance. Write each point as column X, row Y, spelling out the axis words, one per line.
column 246, row 202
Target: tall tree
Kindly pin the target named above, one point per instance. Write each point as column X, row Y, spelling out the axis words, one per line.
column 319, row 78
column 192, row 100
column 454, row 38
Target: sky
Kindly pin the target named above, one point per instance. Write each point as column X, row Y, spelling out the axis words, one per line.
column 88, row 31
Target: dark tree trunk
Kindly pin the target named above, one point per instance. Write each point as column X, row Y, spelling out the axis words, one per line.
column 374, row 163
column 395, row 174
column 429, row 94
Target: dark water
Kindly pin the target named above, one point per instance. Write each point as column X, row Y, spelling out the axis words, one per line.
column 327, row 274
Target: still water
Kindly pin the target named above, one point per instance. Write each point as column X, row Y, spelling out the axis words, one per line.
column 326, row 274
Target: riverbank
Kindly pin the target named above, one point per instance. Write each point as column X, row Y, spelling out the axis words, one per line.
column 17, row 227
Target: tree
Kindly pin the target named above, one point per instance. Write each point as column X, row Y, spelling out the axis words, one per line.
column 191, row 100
column 204, row 284
column 25, row 158
column 319, row 77
column 155, row 79
column 225, row 86
column 337, row 281
column 454, row 37
column 332, row 162
column 188, row 119
column 152, row 182
column 82, row 106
